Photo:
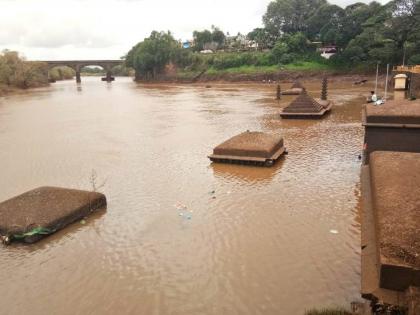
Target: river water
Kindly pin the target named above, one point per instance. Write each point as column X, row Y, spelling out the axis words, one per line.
column 182, row 235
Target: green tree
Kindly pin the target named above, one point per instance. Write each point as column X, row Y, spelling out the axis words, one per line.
column 262, row 37
column 16, row 71
column 290, row 16
column 201, row 38
column 218, row 36
column 280, row 52
column 149, row 58
column 326, row 20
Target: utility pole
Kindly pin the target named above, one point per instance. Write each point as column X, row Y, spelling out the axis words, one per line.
column 386, row 82
column 377, row 73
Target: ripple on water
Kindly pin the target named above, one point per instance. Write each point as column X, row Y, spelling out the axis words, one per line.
column 254, row 240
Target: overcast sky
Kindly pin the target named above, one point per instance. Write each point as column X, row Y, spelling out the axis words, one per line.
column 107, row 29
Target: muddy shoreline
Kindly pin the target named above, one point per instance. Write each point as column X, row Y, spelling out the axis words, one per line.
column 284, row 76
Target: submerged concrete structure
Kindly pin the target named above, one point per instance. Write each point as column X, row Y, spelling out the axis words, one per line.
column 296, row 89
column 390, row 230
column 45, row 210
column 254, row 148
column 305, row 106
column 393, row 126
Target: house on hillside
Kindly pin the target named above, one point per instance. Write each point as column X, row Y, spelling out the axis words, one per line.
column 327, row 51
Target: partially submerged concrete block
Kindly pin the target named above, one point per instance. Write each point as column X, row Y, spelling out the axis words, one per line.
column 393, row 126
column 45, row 210
column 305, row 106
column 392, row 201
column 256, row 148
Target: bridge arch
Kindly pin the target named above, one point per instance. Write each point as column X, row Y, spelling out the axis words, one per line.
column 77, row 65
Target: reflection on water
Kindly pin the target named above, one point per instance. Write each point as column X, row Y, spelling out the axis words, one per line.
column 255, row 241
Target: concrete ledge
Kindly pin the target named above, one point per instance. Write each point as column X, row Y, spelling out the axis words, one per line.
column 391, row 128
column 45, row 210
column 370, row 286
column 391, row 201
column 401, row 112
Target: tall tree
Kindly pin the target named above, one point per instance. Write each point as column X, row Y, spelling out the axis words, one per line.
column 262, row 37
column 327, row 19
column 150, row 57
column 290, row 16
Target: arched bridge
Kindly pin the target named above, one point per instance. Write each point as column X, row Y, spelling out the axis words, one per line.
column 77, row 65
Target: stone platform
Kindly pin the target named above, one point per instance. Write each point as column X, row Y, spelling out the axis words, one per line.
column 255, row 148
column 45, row 210
column 305, row 106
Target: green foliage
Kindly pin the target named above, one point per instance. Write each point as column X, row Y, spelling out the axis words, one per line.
column 92, row 70
column 363, row 33
column 235, row 60
column 15, row 71
column 414, row 60
column 280, row 53
column 290, row 16
column 262, row 37
column 207, row 37
column 61, row 73
column 325, row 23
column 150, row 57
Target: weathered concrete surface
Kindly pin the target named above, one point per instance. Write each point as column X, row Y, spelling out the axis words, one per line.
column 305, row 106
column 51, row 208
column 249, row 146
column 370, row 286
column 370, row 258
column 400, row 112
column 394, row 126
column 413, row 296
column 395, row 182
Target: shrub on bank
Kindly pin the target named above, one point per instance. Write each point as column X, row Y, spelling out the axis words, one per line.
column 61, row 73
column 17, row 72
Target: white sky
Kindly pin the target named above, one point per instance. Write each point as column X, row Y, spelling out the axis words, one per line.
column 107, row 29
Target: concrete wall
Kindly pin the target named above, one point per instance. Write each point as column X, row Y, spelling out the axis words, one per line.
column 415, row 84
column 391, row 139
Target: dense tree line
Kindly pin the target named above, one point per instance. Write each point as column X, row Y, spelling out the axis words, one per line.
column 15, row 71
column 363, row 34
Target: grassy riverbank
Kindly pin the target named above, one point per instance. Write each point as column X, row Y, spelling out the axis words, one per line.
column 252, row 73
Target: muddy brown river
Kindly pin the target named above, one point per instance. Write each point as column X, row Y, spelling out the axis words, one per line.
column 182, row 235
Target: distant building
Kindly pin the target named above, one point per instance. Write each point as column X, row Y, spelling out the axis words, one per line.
column 187, row 44
column 327, row 51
